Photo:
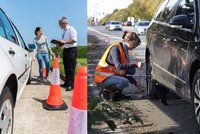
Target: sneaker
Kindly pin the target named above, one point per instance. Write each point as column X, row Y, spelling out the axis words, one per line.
column 41, row 79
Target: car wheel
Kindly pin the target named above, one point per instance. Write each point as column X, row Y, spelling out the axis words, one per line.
column 6, row 111
column 196, row 97
column 151, row 83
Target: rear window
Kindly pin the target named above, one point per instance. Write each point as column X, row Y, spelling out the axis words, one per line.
column 116, row 23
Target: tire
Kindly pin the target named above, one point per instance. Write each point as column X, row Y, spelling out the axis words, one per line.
column 6, row 105
column 151, row 83
column 196, row 98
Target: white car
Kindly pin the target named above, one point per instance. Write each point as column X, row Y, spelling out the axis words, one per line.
column 114, row 25
column 141, row 27
column 15, row 70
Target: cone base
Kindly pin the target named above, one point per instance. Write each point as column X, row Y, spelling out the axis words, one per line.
column 50, row 107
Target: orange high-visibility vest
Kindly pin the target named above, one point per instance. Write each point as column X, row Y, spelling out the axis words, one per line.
column 104, row 69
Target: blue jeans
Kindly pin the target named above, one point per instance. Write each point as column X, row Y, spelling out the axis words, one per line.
column 115, row 82
column 43, row 58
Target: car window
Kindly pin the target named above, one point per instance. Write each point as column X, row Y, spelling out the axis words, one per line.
column 2, row 31
column 158, row 14
column 143, row 24
column 21, row 41
column 169, row 11
column 116, row 23
column 186, row 7
column 10, row 35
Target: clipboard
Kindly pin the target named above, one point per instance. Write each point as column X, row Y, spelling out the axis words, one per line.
column 57, row 42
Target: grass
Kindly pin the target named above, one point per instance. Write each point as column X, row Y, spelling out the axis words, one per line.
column 81, row 57
column 80, row 62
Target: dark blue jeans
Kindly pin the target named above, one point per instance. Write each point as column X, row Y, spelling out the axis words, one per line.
column 43, row 58
column 118, row 82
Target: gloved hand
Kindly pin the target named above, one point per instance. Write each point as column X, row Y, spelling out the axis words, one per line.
column 137, row 64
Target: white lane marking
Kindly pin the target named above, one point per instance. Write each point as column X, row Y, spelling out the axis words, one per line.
column 104, row 33
column 107, row 35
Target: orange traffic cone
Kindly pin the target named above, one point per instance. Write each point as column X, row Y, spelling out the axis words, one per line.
column 78, row 112
column 44, row 71
column 107, row 41
column 55, row 101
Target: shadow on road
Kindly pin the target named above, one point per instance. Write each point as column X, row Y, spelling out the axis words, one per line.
column 38, row 100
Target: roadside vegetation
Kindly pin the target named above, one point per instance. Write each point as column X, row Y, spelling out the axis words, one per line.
column 81, row 57
column 139, row 9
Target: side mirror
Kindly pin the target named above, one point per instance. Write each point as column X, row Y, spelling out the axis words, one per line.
column 180, row 21
column 31, row 47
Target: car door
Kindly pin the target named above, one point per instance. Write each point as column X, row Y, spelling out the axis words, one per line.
column 155, row 44
column 11, row 47
column 27, row 58
column 176, row 50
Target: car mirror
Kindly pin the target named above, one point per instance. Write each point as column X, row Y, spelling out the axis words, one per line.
column 31, row 47
column 180, row 21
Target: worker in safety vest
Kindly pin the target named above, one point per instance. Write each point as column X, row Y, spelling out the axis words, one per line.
column 111, row 71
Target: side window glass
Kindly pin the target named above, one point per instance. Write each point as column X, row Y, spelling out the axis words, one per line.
column 2, row 32
column 186, row 7
column 158, row 14
column 169, row 11
column 10, row 35
column 21, row 41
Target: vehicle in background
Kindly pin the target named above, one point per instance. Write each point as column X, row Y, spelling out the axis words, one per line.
column 107, row 24
column 15, row 71
column 173, row 52
column 114, row 25
column 128, row 23
column 141, row 27
column 134, row 23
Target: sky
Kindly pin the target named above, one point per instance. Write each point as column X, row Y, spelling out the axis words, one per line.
column 103, row 7
column 28, row 14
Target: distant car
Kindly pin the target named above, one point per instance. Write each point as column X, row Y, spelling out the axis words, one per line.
column 114, row 25
column 107, row 24
column 128, row 23
column 141, row 27
column 134, row 23
column 15, row 71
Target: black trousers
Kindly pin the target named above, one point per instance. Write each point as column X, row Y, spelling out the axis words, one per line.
column 69, row 61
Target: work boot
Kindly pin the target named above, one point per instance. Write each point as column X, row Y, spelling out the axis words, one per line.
column 105, row 95
column 68, row 88
column 64, row 85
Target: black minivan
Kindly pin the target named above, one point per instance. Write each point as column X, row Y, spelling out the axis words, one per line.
column 173, row 51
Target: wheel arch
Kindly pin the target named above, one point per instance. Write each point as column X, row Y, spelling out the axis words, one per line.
column 13, row 85
column 195, row 66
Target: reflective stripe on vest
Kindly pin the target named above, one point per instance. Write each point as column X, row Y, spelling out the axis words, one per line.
column 104, row 70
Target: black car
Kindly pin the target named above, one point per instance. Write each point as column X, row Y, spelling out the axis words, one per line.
column 173, row 51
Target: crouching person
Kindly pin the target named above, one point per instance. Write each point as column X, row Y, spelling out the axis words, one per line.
column 113, row 71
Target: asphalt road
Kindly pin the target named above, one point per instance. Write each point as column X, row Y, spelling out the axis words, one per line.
column 31, row 118
column 115, row 36
column 176, row 118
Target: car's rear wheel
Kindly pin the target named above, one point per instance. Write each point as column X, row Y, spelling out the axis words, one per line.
column 196, row 97
column 6, row 111
column 151, row 83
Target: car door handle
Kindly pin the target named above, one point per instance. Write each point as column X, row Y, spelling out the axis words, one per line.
column 11, row 52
